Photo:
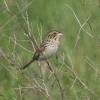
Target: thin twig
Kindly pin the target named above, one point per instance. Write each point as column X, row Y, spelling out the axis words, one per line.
column 59, row 84
column 5, row 2
column 78, row 35
column 68, row 66
column 13, row 17
column 68, row 6
column 28, row 30
column 92, row 65
column 38, row 87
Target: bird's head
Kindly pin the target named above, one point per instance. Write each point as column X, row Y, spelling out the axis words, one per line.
column 54, row 35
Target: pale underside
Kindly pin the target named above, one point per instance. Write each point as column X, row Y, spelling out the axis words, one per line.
column 50, row 49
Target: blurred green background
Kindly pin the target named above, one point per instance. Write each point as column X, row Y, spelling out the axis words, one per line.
column 77, row 63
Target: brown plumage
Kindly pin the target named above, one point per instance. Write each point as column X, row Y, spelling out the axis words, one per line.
column 47, row 48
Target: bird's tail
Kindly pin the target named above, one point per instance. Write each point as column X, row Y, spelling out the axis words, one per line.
column 26, row 65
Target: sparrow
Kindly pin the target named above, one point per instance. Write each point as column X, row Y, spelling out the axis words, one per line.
column 47, row 48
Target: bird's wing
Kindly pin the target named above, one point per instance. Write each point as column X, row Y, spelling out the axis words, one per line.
column 39, row 51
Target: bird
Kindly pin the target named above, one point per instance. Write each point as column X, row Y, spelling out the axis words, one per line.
column 47, row 48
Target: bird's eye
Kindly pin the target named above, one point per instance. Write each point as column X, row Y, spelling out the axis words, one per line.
column 53, row 35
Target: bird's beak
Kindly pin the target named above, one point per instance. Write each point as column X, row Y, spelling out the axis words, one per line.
column 60, row 33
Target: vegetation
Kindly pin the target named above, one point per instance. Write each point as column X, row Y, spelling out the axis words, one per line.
column 76, row 67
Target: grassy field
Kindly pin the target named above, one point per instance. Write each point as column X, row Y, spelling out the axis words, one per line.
column 77, row 63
